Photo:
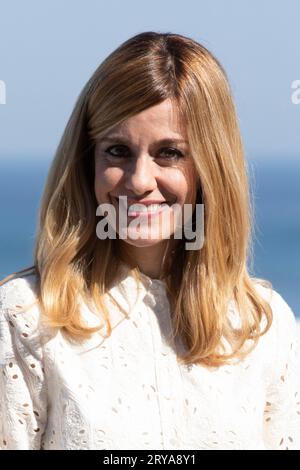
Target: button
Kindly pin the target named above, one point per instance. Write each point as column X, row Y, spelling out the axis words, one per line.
column 156, row 286
column 165, row 350
column 150, row 299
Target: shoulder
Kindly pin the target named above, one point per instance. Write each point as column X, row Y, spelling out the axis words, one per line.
column 21, row 359
column 19, row 316
column 19, row 302
column 282, row 339
column 284, row 320
column 17, row 292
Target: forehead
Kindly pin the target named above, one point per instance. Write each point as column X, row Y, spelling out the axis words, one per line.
column 162, row 120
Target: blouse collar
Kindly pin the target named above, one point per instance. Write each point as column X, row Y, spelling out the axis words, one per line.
column 149, row 283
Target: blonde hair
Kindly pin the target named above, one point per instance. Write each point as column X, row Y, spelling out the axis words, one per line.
column 69, row 259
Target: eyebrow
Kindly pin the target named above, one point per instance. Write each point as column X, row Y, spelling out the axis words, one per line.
column 166, row 141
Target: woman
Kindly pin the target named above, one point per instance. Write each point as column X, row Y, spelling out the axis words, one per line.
column 123, row 335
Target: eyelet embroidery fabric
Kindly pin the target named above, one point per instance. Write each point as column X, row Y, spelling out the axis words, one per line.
column 128, row 391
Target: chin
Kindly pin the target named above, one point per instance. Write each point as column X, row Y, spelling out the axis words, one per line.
column 140, row 242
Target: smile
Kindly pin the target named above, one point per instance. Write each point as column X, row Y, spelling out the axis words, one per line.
column 136, row 210
column 143, row 210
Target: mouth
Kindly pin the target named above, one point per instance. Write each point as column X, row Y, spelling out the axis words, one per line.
column 143, row 209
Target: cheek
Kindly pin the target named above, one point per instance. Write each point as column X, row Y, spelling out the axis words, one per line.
column 183, row 184
column 106, row 180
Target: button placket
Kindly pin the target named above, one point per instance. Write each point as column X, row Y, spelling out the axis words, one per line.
column 162, row 386
column 165, row 363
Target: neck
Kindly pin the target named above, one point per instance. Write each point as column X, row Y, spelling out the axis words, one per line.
column 149, row 259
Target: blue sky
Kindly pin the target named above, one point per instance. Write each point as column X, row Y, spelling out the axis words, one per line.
column 49, row 49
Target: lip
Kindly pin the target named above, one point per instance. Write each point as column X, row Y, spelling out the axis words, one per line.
column 147, row 214
column 146, row 202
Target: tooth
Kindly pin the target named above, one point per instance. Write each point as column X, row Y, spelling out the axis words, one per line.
column 137, row 207
column 142, row 208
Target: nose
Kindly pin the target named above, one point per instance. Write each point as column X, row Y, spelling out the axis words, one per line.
column 140, row 177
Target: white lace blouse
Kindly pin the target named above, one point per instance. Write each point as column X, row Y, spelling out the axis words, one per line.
column 128, row 391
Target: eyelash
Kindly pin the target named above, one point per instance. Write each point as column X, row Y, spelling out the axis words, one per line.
column 177, row 152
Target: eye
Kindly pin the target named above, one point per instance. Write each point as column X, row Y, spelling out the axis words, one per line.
column 122, row 151
column 172, row 154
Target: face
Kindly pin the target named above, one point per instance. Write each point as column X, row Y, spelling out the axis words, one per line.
column 146, row 158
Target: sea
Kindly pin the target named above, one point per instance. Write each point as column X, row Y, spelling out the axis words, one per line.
column 275, row 189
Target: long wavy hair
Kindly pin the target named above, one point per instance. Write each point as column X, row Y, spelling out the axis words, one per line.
column 70, row 260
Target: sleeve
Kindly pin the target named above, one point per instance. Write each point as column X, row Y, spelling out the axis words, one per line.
column 23, row 394
column 282, row 407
